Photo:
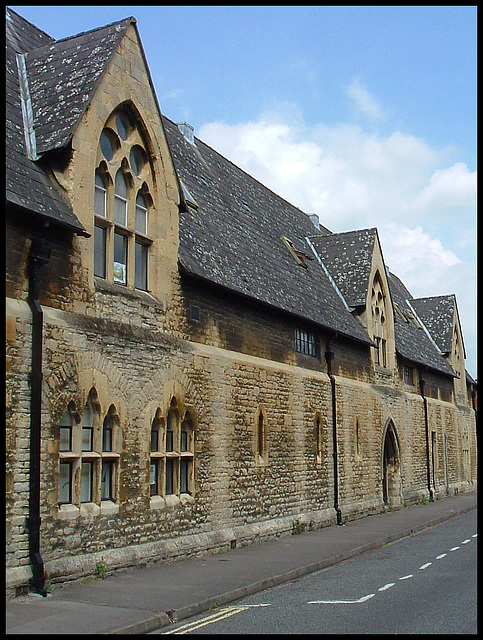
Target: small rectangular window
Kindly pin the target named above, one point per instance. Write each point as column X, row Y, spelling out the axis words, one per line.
column 305, row 342
column 408, row 375
column 141, row 266
column 120, row 258
column 99, row 251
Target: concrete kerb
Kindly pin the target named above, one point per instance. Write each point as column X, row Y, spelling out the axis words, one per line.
column 158, row 621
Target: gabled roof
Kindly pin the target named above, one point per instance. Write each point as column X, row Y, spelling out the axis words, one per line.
column 413, row 339
column 62, row 77
column 437, row 313
column 235, row 239
column 348, row 257
column 27, row 184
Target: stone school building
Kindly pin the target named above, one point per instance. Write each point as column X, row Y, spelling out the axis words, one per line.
column 193, row 363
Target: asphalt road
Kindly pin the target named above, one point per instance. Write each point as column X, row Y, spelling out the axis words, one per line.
column 425, row 583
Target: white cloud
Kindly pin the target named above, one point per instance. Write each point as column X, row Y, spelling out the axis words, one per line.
column 424, row 209
column 364, row 101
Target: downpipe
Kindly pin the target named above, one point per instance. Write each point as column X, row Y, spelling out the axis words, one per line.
column 426, row 428
column 39, row 255
column 328, row 357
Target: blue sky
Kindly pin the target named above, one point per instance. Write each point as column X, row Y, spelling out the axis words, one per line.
column 363, row 115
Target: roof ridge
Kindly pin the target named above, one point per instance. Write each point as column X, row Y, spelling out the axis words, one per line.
column 243, row 171
column 130, row 20
column 10, row 10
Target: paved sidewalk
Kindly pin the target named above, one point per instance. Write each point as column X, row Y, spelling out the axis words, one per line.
column 145, row 599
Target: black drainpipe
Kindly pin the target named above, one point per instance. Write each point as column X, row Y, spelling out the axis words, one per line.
column 39, row 255
column 328, row 357
column 426, row 426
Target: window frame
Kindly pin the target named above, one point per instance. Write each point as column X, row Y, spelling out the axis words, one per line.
column 305, row 342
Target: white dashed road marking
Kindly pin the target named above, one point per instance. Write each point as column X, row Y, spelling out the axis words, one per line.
column 442, row 555
column 454, row 548
column 387, row 586
column 406, row 577
column 425, row 566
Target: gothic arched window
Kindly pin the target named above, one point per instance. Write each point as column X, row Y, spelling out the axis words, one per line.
column 123, row 197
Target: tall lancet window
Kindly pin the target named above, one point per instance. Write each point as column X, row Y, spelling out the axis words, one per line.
column 378, row 310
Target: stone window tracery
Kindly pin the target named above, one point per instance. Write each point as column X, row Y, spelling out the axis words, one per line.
column 172, row 452
column 123, row 199
column 379, row 316
column 88, row 454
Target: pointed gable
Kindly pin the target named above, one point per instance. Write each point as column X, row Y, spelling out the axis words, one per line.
column 438, row 313
column 348, row 258
column 414, row 338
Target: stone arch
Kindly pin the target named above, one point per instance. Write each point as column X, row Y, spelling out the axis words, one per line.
column 391, row 466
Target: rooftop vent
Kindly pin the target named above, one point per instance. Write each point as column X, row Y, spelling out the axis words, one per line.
column 188, row 131
column 315, row 219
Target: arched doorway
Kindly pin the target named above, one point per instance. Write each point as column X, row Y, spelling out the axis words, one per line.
column 391, row 468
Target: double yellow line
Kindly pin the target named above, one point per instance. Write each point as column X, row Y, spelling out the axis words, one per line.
column 227, row 612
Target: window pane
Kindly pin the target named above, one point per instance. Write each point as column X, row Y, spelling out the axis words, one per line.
column 184, row 476
column 107, row 480
column 169, row 477
column 65, row 438
column 122, row 126
column 120, row 210
column 108, row 145
column 120, row 258
column 107, row 434
column 100, row 197
column 120, row 199
column 141, row 215
column 99, row 252
column 153, row 477
column 86, row 482
column 65, row 484
column 136, row 160
column 87, row 438
column 155, row 436
column 141, row 266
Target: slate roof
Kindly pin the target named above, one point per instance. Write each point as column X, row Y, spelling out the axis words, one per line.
column 348, row 257
column 411, row 335
column 240, row 236
column 233, row 239
column 437, row 313
column 62, row 77
column 27, row 183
